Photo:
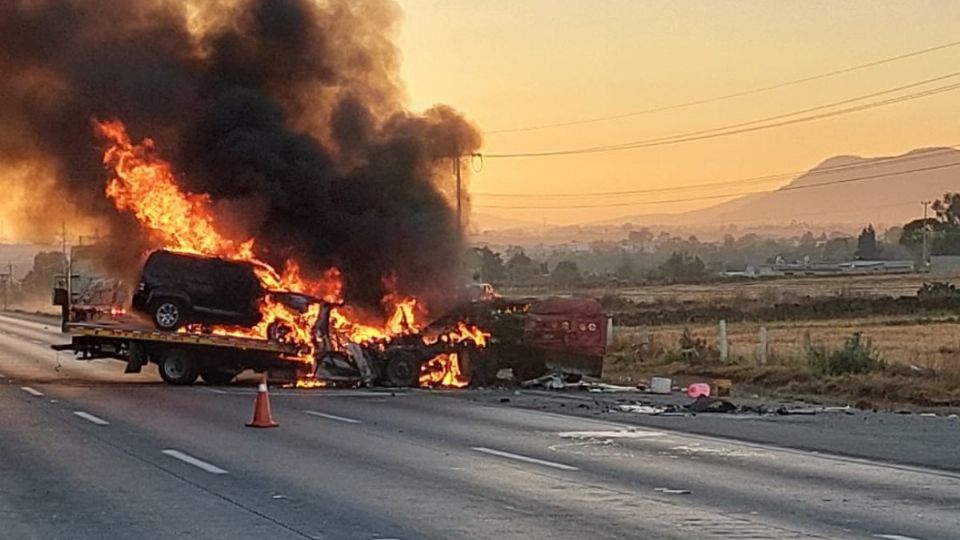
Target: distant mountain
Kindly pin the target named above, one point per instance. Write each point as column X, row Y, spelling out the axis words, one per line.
column 847, row 189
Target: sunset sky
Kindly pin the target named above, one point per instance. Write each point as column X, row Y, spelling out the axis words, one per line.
column 516, row 63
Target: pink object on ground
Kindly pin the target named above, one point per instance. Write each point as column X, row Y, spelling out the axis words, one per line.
column 696, row 390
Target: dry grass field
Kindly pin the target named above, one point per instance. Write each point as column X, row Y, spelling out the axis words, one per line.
column 919, row 348
column 765, row 289
column 927, row 343
column 921, row 357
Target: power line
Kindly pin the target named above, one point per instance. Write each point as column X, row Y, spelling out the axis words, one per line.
column 740, row 181
column 822, row 213
column 723, row 196
column 723, row 97
column 732, row 129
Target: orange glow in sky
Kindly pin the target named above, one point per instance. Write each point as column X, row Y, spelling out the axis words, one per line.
column 509, row 63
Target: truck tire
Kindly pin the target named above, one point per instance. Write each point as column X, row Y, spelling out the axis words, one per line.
column 217, row 377
column 403, row 369
column 168, row 314
column 176, row 368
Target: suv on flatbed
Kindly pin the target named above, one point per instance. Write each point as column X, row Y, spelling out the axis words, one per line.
column 177, row 289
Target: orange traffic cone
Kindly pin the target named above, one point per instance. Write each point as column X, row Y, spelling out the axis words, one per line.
column 261, row 408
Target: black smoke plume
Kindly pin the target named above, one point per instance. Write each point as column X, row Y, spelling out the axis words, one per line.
column 289, row 113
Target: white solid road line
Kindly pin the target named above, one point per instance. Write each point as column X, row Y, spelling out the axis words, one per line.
column 213, row 390
column 32, row 391
column 518, row 457
column 91, row 418
column 333, row 417
column 894, row 537
column 198, row 463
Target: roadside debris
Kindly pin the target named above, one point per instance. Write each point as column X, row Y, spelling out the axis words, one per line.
column 661, row 385
column 641, row 409
column 697, row 390
column 704, row 404
column 550, row 381
column 561, row 381
column 672, row 491
column 722, row 387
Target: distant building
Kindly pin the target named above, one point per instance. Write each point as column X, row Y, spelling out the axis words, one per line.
column 807, row 269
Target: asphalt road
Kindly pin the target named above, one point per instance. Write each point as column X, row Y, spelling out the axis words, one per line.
column 88, row 453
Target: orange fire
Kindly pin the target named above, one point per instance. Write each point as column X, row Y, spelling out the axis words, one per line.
column 145, row 185
column 443, row 370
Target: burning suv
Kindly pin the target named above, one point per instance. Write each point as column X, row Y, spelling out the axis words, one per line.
column 178, row 289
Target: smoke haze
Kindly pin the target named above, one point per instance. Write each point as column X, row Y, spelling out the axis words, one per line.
column 289, row 113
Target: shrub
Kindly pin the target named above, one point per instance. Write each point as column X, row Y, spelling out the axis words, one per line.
column 856, row 356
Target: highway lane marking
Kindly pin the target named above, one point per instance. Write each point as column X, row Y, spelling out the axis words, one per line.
column 198, row 463
column 333, row 417
column 32, row 391
column 615, row 434
column 894, row 537
column 526, row 459
column 91, row 418
column 213, row 390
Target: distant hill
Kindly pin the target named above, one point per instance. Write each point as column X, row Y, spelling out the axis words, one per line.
column 842, row 189
column 847, row 189
column 485, row 222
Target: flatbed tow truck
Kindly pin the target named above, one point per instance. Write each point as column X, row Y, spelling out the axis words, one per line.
column 180, row 356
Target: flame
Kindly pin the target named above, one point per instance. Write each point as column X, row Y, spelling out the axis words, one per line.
column 145, row 185
column 310, row 383
column 463, row 332
column 443, row 370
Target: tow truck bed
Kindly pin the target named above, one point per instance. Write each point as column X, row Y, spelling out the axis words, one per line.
column 180, row 356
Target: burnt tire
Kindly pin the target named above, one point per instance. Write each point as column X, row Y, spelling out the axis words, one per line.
column 403, row 370
column 176, row 368
column 168, row 314
column 217, row 377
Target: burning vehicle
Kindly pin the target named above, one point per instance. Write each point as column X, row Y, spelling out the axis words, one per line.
column 177, row 289
column 269, row 144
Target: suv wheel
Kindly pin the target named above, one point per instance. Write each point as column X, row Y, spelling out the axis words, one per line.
column 403, row 370
column 176, row 368
column 168, row 314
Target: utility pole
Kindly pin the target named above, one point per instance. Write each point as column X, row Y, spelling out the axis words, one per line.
column 925, row 254
column 6, row 284
column 456, row 168
column 67, row 270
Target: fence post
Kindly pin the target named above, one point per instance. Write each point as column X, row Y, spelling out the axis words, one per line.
column 764, row 346
column 724, row 345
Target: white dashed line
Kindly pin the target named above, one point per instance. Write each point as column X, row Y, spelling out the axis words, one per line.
column 91, row 418
column 894, row 537
column 198, row 463
column 213, row 390
column 32, row 391
column 612, row 434
column 526, row 459
column 333, row 417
